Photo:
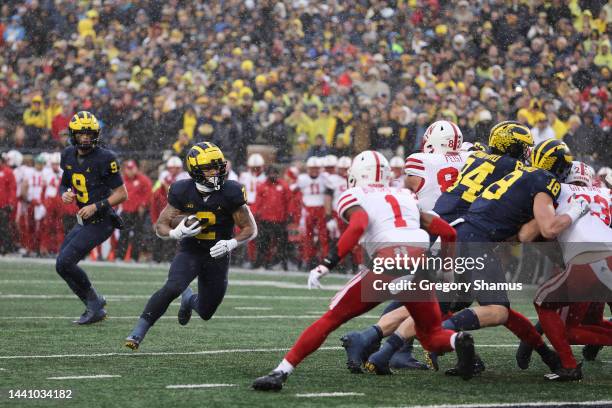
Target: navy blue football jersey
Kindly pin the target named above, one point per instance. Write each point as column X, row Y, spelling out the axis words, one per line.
column 215, row 209
column 479, row 171
column 507, row 204
column 92, row 177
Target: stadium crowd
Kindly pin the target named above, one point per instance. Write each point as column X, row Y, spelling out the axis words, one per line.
column 303, row 77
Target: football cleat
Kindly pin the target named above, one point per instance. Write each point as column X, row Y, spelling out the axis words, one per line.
column 565, row 374
column 523, row 355
column 357, row 351
column 589, row 352
column 91, row 316
column 551, row 359
column 431, row 360
column 466, row 355
column 271, row 382
column 403, row 359
column 133, row 342
column 184, row 313
column 479, row 367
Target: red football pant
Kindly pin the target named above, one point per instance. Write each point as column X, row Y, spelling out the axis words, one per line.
column 523, row 329
column 347, row 304
column 315, row 219
column 52, row 227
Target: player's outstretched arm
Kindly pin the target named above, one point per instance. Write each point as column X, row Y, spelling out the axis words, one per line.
column 529, row 232
column 118, row 196
column 551, row 224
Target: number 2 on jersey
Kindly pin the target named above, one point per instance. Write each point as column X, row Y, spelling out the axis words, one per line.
column 397, row 211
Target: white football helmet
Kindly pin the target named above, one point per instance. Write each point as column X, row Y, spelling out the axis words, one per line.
column 369, row 168
column 330, row 161
column 55, row 158
column 313, row 161
column 14, row 158
column 344, row 162
column 581, row 172
column 442, row 137
column 396, row 162
column 174, row 161
column 255, row 160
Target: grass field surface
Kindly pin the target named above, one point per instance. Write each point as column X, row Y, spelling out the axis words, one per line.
column 212, row 364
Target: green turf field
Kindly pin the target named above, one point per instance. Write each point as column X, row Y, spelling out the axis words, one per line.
column 258, row 321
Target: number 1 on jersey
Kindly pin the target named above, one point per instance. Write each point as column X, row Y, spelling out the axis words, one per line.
column 397, row 211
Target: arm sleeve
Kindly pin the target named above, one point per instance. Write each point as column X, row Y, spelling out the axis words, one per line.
column 64, row 183
column 440, row 227
column 236, row 195
column 173, row 198
column 350, row 237
column 546, row 183
column 111, row 173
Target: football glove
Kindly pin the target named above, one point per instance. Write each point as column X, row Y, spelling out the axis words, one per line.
column 579, row 206
column 183, row 231
column 223, row 247
column 316, row 274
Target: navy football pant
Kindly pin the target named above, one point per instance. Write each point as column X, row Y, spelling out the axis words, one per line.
column 185, row 267
column 78, row 243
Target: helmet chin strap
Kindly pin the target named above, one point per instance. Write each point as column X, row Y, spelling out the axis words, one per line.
column 204, row 189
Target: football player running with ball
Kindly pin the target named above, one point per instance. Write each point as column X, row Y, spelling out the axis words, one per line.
column 380, row 218
column 91, row 178
column 213, row 206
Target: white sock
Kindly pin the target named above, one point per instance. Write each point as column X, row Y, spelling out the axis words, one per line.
column 285, row 367
column 452, row 340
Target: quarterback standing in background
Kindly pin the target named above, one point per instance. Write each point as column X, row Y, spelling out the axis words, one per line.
column 91, row 177
column 213, row 206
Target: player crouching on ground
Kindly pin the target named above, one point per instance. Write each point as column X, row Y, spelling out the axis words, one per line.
column 376, row 214
column 92, row 178
column 213, row 206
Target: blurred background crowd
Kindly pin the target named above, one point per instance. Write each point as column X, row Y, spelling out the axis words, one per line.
column 300, row 78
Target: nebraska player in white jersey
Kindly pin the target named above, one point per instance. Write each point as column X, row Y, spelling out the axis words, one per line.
column 255, row 175
column 434, row 170
column 397, row 172
column 378, row 216
column 32, row 190
column 52, row 228
column 313, row 186
column 564, row 300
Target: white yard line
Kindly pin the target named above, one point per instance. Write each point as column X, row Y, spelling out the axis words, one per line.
column 130, row 297
column 217, row 317
column 84, row 377
column 197, row 353
column 178, row 386
column 330, row 394
column 514, row 404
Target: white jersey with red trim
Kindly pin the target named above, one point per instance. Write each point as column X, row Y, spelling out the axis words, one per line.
column 313, row 190
column 338, row 185
column 397, row 182
column 250, row 181
column 22, row 173
column 393, row 215
column 590, row 233
column 52, row 182
column 35, row 182
column 437, row 172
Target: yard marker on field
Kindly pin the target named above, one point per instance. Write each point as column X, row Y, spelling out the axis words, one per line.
column 84, row 377
column 199, row 386
column 330, row 394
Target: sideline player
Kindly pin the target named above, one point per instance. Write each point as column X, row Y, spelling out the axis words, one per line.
column 216, row 205
column 377, row 216
column 90, row 176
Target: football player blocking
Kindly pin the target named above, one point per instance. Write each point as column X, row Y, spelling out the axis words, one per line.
column 205, row 246
column 92, row 179
column 564, row 322
column 365, row 206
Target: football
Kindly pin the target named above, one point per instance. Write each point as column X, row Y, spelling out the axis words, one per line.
column 177, row 220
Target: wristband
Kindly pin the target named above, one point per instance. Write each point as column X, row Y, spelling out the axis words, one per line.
column 102, row 204
column 332, row 258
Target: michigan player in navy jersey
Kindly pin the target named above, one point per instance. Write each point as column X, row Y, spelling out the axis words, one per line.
column 509, row 144
column 92, row 179
column 497, row 215
column 204, row 248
